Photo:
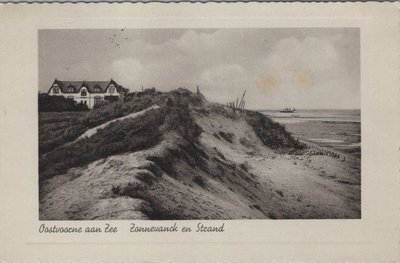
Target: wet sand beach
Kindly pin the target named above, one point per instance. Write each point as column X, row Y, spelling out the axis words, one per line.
column 339, row 130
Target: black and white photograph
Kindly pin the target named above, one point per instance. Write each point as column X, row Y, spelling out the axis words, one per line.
column 199, row 123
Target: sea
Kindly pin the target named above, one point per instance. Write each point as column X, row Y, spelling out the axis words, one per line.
column 336, row 129
column 314, row 115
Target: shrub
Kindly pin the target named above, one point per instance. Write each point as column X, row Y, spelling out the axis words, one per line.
column 123, row 136
column 179, row 120
column 227, row 136
column 48, row 103
column 76, row 124
column 57, row 128
column 271, row 133
column 200, row 181
column 101, row 104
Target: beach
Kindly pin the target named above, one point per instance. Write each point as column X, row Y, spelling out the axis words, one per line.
column 339, row 130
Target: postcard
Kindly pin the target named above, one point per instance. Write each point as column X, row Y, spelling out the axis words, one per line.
column 181, row 132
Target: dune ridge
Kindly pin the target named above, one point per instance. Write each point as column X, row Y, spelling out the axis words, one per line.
column 202, row 161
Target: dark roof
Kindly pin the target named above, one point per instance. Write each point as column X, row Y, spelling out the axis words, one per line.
column 90, row 85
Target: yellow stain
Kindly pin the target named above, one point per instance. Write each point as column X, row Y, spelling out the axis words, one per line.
column 303, row 79
column 268, row 82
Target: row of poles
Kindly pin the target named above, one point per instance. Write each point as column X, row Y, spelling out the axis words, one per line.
column 237, row 105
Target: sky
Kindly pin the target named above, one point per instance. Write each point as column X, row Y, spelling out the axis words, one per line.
column 306, row 68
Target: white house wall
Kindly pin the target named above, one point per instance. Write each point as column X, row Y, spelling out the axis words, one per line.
column 89, row 98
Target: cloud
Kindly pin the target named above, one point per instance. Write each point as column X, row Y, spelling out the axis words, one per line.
column 222, row 74
column 317, row 56
column 127, row 70
column 224, row 81
column 308, row 72
column 268, row 82
column 295, row 66
column 304, row 67
column 191, row 41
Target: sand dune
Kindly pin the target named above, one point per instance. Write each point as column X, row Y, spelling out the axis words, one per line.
column 227, row 173
column 89, row 133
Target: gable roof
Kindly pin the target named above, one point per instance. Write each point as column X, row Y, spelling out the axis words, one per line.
column 90, row 85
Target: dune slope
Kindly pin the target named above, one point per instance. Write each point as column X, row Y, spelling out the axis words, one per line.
column 205, row 161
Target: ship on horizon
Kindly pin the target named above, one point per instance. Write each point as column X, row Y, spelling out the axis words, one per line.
column 288, row 110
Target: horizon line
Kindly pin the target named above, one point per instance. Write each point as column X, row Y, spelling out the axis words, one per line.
column 267, row 109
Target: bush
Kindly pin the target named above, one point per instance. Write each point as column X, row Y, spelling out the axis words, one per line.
column 129, row 135
column 200, row 181
column 55, row 130
column 58, row 103
column 72, row 125
column 227, row 136
column 271, row 133
column 179, row 120
column 101, row 104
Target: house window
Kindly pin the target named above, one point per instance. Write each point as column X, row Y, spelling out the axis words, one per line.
column 70, row 97
column 56, row 89
column 97, row 100
column 83, row 93
column 111, row 89
column 71, row 89
column 96, row 89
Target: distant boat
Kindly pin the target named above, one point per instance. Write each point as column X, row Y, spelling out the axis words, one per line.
column 288, row 110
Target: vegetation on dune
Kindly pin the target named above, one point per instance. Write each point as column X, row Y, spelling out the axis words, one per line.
column 57, row 128
column 122, row 136
column 129, row 135
column 200, row 181
column 171, row 162
column 271, row 133
column 70, row 126
column 227, row 136
column 58, row 103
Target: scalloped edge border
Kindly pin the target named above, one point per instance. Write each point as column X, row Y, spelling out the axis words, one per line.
column 188, row 1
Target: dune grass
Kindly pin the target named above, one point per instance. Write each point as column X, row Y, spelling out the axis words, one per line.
column 57, row 132
column 271, row 133
column 123, row 136
column 128, row 135
column 56, row 129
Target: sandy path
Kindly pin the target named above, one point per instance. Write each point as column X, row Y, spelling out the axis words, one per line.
column 89, row 133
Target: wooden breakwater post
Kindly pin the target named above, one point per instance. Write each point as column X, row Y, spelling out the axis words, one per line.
column 236, row 105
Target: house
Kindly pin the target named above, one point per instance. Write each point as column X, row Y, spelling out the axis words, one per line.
column 87, row 92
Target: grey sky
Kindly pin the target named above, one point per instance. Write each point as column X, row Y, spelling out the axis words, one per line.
column 302, row 68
